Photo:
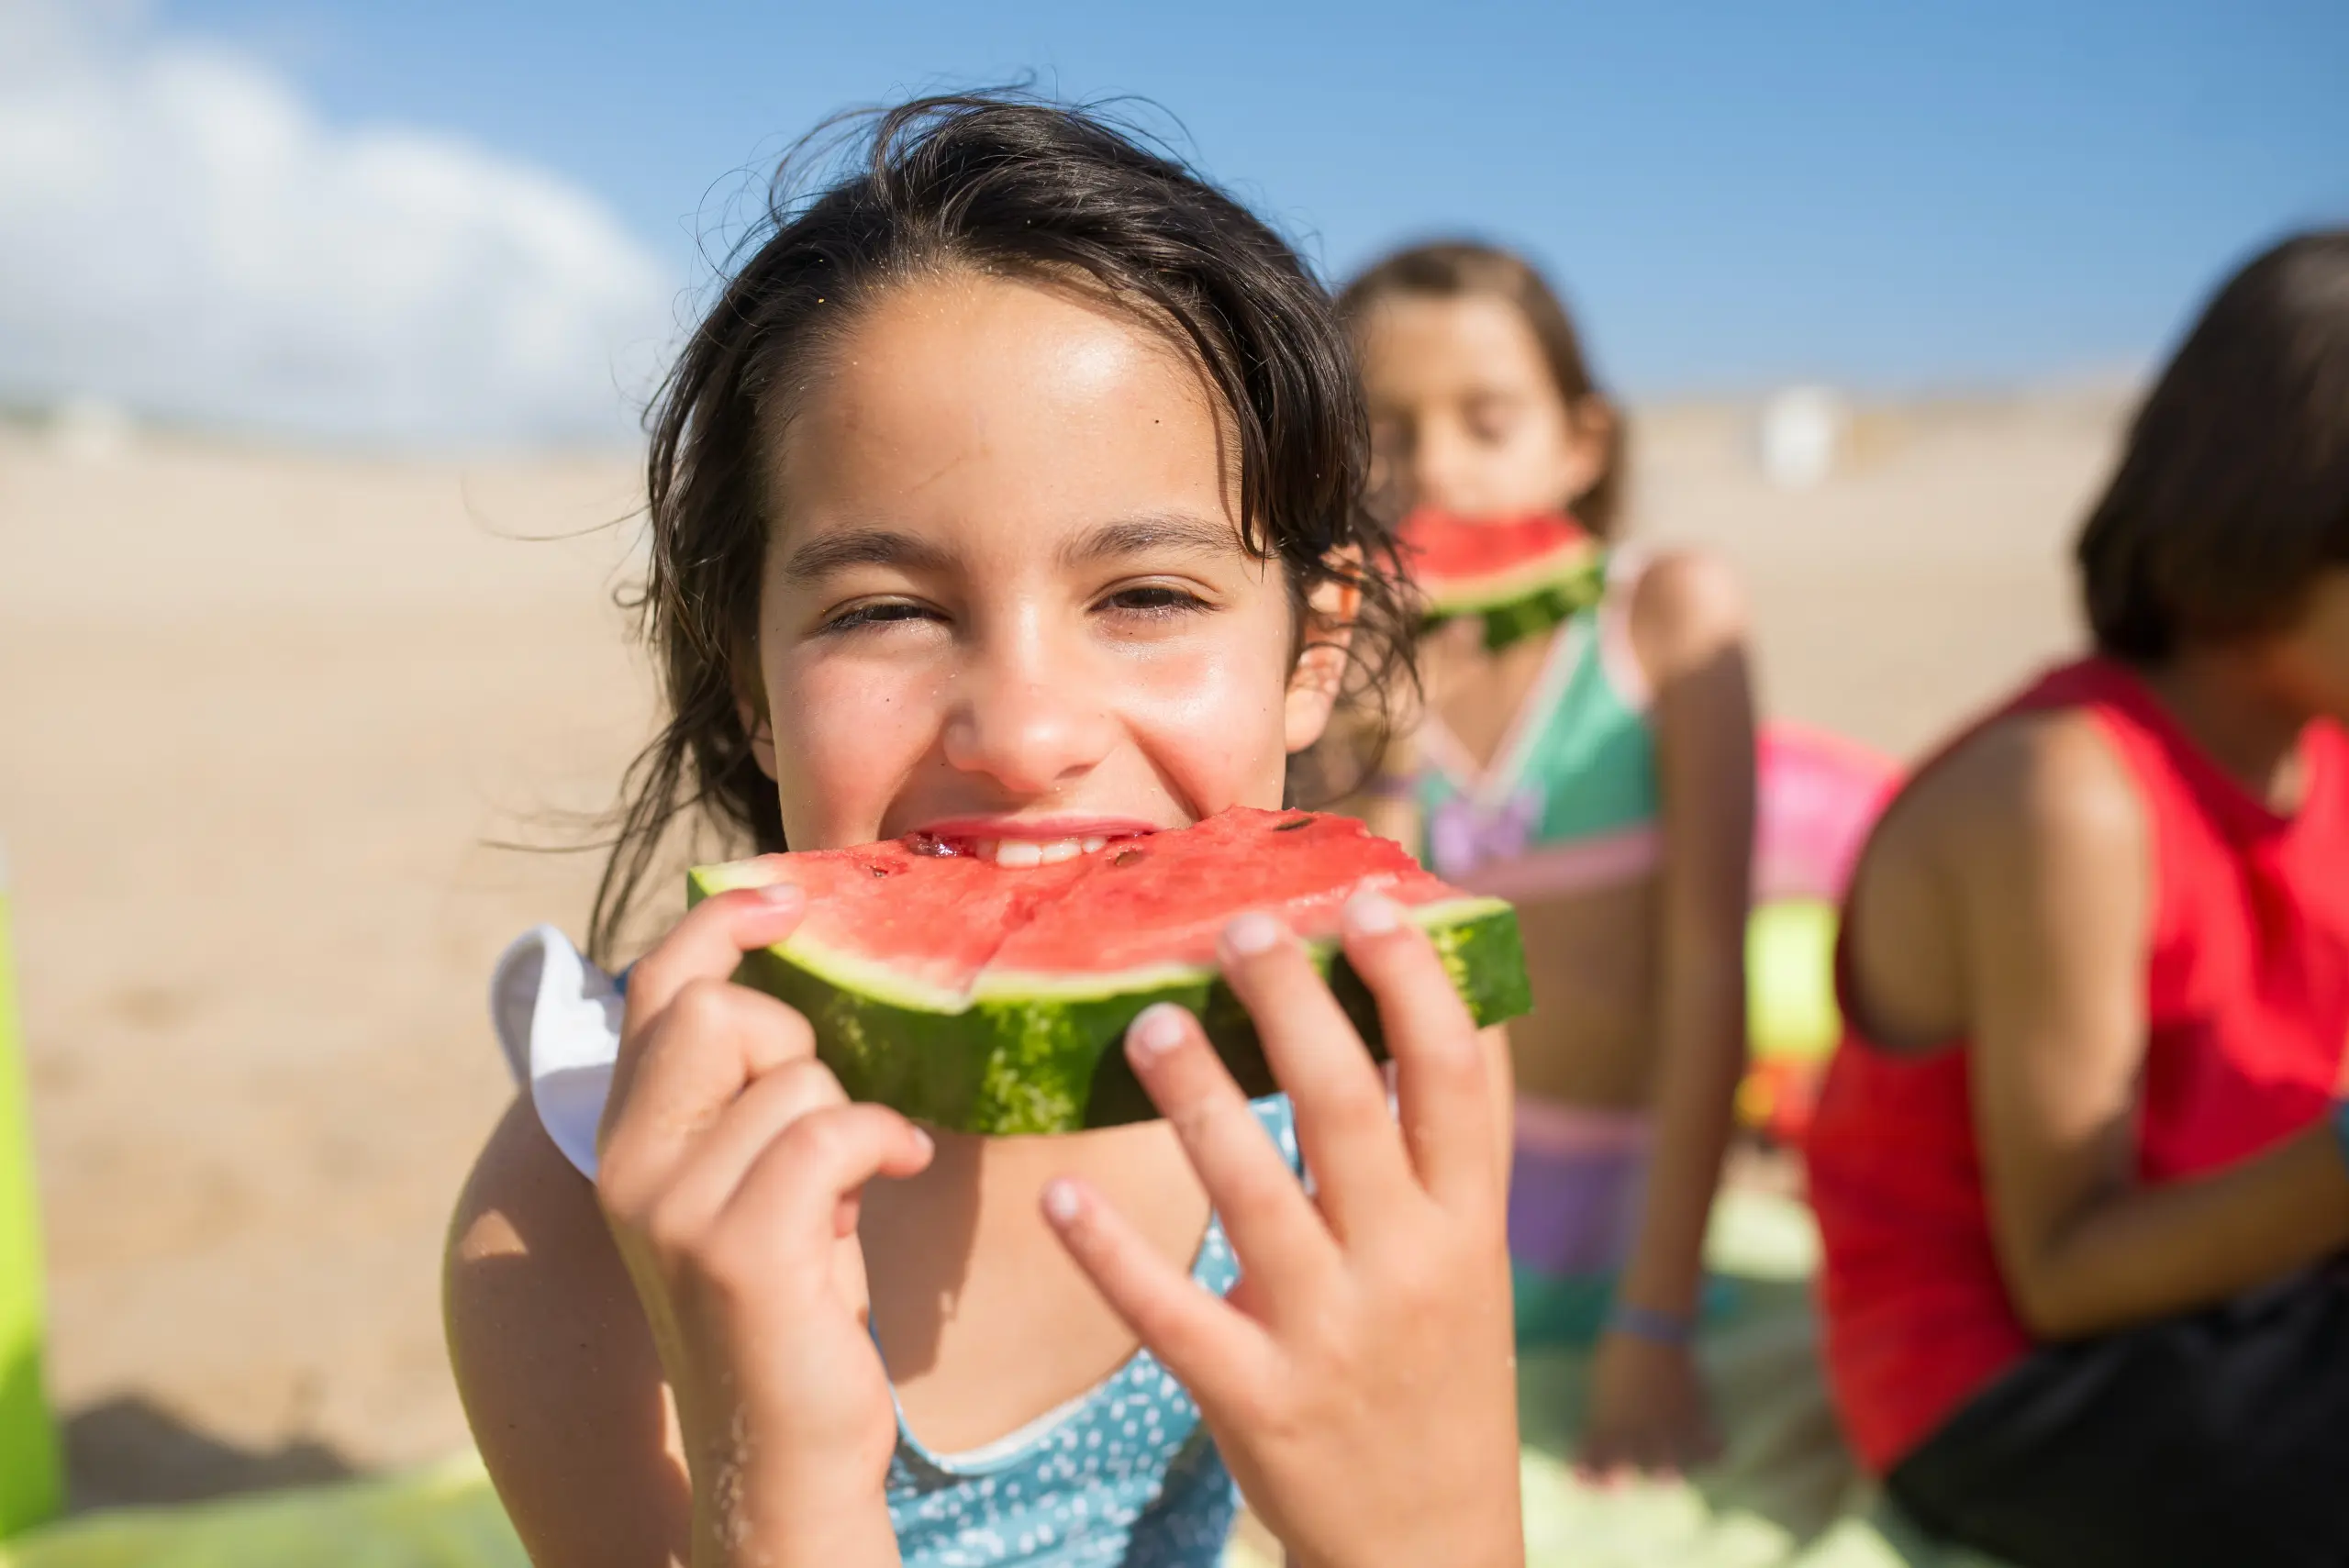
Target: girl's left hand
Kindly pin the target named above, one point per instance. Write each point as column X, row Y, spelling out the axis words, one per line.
column 1648, row 1411
column 1360, row 1380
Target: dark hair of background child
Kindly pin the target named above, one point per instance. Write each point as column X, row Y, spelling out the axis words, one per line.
column 2234, row 489
column 1003, row 185
column 1452, row 268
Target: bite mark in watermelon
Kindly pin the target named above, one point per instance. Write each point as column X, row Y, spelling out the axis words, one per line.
column 991, row 999
column 1520, row 575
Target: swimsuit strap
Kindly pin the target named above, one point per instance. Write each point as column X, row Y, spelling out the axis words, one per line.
column 1626, row 565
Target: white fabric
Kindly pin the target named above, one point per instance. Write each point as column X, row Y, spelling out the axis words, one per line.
column 558, row 1021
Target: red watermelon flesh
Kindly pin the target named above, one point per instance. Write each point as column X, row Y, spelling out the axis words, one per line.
column 1469, row 564
column 887, row 898
column 1162, row 901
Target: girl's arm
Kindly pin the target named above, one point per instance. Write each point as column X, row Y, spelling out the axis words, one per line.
column 560, row 1383
column 2047, row 856
column 1688, row 625
column 676, row 1416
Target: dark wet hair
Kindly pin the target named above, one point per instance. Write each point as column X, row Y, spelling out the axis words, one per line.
column 1451, row 269
column 2234, row 489
column 1008, row 186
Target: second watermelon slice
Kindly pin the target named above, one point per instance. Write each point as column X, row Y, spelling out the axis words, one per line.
column 1521, row 576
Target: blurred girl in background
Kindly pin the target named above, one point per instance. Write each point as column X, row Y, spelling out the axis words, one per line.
column 1602, row 776
column 2079, row 1162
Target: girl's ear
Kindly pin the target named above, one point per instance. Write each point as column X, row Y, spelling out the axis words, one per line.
column 1590, row 443
column 751, row 709
column 1314, row 684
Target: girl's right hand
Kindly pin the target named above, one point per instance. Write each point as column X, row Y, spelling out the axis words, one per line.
column 729, row 1171
column 1360, row 1380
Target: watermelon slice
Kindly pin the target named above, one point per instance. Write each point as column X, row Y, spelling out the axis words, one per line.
column 1520, row 575
column 990, row 999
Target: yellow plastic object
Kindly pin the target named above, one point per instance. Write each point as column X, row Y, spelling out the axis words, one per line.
column 1790, row 981
column 31, row 1480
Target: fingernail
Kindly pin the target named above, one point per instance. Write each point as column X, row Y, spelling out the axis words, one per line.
column 1061, row 1202
column 1154, row 1032
column 1252, row 933
column 782, row 895
column 924, row 1144
column 1371, row 913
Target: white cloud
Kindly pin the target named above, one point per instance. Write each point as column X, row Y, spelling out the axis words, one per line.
column 181, row 232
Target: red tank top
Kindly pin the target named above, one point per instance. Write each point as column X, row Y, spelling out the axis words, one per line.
column 2247, row 1004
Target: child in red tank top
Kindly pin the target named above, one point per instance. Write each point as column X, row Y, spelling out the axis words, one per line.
column 2079, row 1165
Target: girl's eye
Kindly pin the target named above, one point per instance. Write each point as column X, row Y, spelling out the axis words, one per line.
column 1489, row 422
column 1155, row 599
column 878, row 614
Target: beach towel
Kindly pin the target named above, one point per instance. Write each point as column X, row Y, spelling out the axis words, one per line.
column 1785, row 1493
column 441, row 1517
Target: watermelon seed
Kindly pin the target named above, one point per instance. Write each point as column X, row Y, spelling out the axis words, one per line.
column 1125, row 857
column 1293, row 824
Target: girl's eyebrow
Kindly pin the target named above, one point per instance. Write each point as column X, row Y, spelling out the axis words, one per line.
column 1173, row 532
column 1177, row 533
column 827, row 554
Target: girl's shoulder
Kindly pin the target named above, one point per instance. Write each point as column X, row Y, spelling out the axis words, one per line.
column 1682, row 606
column 2022, row 776
column 2020, row 853
column 2024, row 801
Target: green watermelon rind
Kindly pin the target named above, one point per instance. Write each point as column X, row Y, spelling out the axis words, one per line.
column 844, row 970
column 1509, row 619
column 1028, row 1054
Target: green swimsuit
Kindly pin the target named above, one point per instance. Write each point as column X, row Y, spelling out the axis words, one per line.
column 1569, row 802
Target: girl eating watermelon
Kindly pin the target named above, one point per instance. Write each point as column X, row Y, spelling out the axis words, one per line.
column 1587, row 751
column 1006, row 504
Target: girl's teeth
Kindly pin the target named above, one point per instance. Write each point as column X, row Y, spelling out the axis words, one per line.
column 1021, row 853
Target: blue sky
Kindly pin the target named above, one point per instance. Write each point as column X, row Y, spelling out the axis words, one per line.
column 1892, row 196
column 1733, row 192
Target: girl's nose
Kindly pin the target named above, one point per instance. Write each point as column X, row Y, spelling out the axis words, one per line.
column 1028, row 721
column 1438, row 459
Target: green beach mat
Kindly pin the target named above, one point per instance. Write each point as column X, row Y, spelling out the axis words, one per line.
column 443, row 1516
column 1784, row 1495
column 1785, row 1492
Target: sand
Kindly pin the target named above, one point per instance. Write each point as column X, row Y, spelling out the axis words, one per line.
column 262, row 715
